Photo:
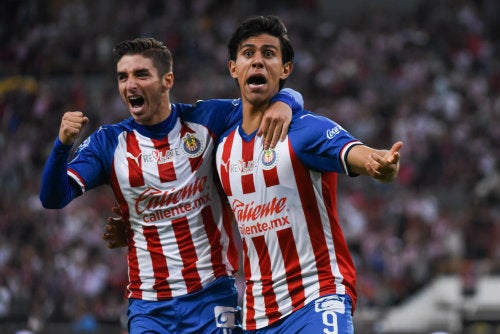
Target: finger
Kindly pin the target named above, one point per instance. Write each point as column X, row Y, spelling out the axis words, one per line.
column 394, row 152
column 276, row 135
column 371, row 171
column 263, row 128
column 396, row 147
column 116, row 210
column 284, row 129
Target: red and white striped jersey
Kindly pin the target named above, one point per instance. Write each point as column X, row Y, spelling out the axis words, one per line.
column 284, row 201
column 180, row 235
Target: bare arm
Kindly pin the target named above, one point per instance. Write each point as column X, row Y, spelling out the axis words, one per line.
column 382, row 165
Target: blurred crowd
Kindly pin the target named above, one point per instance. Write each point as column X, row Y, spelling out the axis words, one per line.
column 429, row 77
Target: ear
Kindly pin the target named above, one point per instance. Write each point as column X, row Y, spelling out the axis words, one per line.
column 232, row 69
column 168, row 80
column 287, row 70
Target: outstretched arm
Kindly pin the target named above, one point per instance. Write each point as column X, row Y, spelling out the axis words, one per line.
column 382, row 165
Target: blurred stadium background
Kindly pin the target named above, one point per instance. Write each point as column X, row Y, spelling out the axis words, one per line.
column 427, row 72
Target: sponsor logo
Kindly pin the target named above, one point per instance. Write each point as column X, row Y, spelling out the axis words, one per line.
column 331, row 133
column 259, row 218
column 134, row 158
column 156, row 204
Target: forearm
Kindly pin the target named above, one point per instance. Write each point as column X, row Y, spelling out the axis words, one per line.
column 56, row 190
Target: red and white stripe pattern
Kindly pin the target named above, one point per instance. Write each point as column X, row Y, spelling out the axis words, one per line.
column 293, row 248
column 180, row 237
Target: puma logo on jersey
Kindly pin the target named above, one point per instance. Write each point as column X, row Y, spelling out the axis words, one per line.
column 224, row 165
column 135, row 158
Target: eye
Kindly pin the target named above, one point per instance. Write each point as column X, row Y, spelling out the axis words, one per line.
column 268, row 53
column 248, row 53
column 142, row 74
column 121, row 77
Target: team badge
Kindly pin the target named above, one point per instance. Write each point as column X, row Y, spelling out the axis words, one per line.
column 268, row 159
column 193, row 147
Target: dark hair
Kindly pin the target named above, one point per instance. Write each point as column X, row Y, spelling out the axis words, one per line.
column 259, row 25
column 149, row 48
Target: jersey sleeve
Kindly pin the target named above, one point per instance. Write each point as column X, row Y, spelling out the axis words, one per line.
column 56, row 188
column 91, row 164
column 221, row 114
column 320, row 143
column 216, row 114
column 291, row 97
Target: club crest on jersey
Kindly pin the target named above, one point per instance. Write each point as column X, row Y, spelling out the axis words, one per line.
column 193, row 147
column 268, row 159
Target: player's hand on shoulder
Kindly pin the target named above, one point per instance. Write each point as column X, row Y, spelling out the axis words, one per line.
column 274, row 124
column 71, row 126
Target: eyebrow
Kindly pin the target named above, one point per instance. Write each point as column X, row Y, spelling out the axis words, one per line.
column 139, row 70
column 271, row 46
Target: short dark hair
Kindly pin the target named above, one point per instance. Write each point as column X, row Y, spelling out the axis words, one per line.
column 258, row 25
column 149, row 48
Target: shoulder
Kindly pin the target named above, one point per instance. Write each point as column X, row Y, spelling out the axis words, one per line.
column 311, row 124
column 106, row 134
column 219, row 105
column 312, row 132
column 216, row 114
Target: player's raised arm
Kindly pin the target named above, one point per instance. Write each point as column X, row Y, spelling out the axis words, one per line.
column 72, row 123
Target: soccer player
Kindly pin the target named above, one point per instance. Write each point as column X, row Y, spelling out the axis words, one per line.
column 159, row 164
column 299, row 275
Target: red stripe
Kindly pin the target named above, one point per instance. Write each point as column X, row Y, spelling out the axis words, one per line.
column 134, row 159
column 247, row 183
column 225, row 165
column 250, row 300
column 214, row 236
column 271, row 177
column 313, row 219
column 158, row 259
column 292, row 267
column 343, row 256
column 266, row 278
column 166, row 169
column 134, row 286
column 232, row 250
column 188, row 255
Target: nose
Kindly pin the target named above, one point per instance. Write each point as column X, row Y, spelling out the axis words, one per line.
column 257, row 61
column 131, row 84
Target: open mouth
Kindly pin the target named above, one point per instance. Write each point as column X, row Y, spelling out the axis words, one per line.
column 136, row 101
column 256, row 80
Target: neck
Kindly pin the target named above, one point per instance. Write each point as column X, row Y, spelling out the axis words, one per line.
column 252, row 116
